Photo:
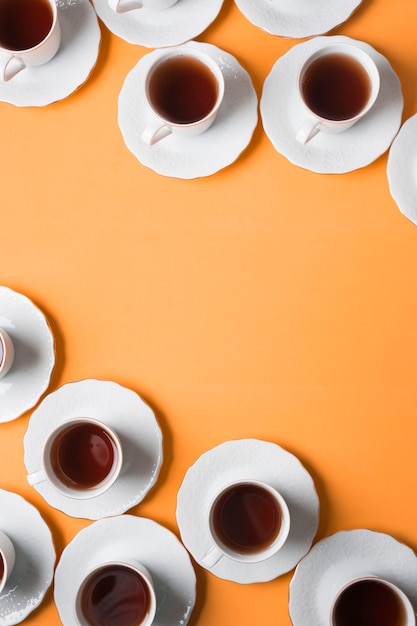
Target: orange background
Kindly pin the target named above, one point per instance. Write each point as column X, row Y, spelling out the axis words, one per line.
column 264, row 301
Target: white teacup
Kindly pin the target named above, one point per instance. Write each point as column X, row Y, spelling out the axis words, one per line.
column 7, row 559
column 122, row 590
column 248, row 521
column 6, row 352
column 184, row 89
column 30, row 34
column 380, row 600
column 123, row 6
column 337, row 84
column 81, row 458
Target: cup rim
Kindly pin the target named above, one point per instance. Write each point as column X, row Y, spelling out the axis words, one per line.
column 204, row 58
column 89, row 492
column 403, row 597
column 23, row 51
column 274, row 546
column 8, row 352
column 132, row 564
column 354, row 51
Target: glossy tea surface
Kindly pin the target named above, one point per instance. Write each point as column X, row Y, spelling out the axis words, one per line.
column 369, row 603
column 24, row 23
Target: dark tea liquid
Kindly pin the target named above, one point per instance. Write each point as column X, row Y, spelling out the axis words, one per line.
column 115, row 596
column 336, row 87
column 24, row 23
column 246, row 518
column 183, row 90
column 1, row 568
column 82, row 456
column 369, row 603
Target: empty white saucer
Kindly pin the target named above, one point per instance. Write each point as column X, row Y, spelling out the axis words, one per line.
column 33, row 572
column 402, row 169
column 133, row 421
column 156, row 29
column 297, row 18
column 71, row 66
column 207, row 153
column 282, row 115
column 128, row 536
column 236, row 460
column 34, row 361
column 343, row 556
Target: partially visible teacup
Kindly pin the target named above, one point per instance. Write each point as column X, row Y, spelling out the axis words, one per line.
column 30, row 34
column 337, row 85
column 118, row 592
column 7, row 559
column 6, row 352
column 371, row 601
column 184, row 89
column 248, row 521
column 81, row 458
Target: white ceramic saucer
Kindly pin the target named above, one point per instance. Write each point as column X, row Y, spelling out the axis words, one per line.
column 139, row 538
column 156, row 29
column 297, row 18
column 326, row 153
column 131, row 418
column 402, row 169
column 35, row 558
column 343, row 556
column 77, row 55
column 235, row 460
column 207, row 153
column 34, row 360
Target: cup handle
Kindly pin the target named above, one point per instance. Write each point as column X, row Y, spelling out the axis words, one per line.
column 11, row 67
column 211, row 557
column 36, row 477
column 123, row 6
column 154, row 132
column 308, row 130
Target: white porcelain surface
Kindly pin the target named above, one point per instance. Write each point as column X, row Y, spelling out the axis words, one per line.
column 34, row 359
column 402, row 169
column 133, row 537
column 282, row 115
column 341, row 557
column 297, row 18
column 198, row 156
column 236, row 460
column 70, row 67
column 157, row 29
column 33, row 571
column 133, row 421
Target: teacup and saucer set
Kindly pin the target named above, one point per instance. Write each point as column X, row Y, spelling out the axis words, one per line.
column 157, row 23
column 402, row 169
column 352, row 568
column 27, row 354
column 93, row 449
column 297, row 18
column 196, row 148
column 128, row 542
column 27, row 558
column 341, row 140
column 226, row 489
column 59, row 64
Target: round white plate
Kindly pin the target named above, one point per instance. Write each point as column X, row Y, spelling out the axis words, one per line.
column 282, row 115
column 34, row 360
column 135, row 537
column 33, row 572
column 156, row 29
column 70, row 67
column 297, row 18
column 198, row 156
column 343, row 556
column 235, row 460
column 131, row 418
column 402, row 169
